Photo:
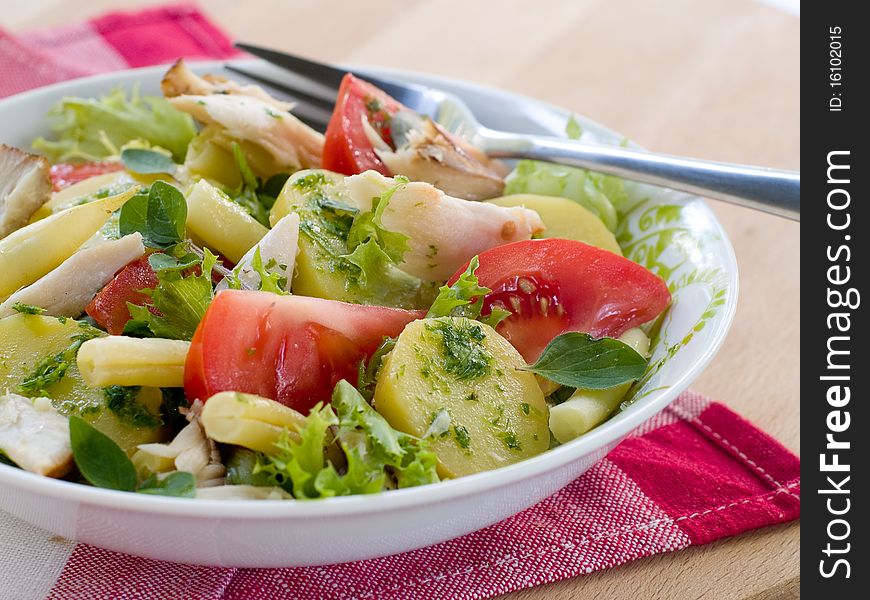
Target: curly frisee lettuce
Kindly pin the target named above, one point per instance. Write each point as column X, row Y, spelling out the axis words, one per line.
column 376, row 457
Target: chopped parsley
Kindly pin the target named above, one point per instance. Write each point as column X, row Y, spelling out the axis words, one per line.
column 465, row 356
column 510, row 440
column 498, row 416
column 27, row 309
column 373, row 105
column 311, row 181
column 121, row 400
column 52, row 369
column 460, row 433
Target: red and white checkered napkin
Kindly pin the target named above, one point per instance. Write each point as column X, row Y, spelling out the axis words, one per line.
column 108, row 43
column 696, row 473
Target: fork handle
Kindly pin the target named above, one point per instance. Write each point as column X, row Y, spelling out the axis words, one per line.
column 770, row 190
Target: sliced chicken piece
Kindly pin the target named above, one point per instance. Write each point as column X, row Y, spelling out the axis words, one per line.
column 25, row 185
column 277, row 252
column 290, row 143
column 189, row 451
column 179, row 80
column 443, row 232
column 428, row 153
column 34, row 435
column 67, row 290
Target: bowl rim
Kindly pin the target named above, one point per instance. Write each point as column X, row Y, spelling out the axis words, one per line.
column 609, row 432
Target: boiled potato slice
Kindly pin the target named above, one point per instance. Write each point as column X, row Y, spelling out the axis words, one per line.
column 322, row 234
column 565, row 219
column 459, row 381
column 25, row 340
column 320, row 200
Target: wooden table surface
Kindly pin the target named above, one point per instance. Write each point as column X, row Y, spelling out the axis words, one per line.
column 716, row 79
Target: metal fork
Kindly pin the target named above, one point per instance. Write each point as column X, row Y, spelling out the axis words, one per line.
column 770, row 190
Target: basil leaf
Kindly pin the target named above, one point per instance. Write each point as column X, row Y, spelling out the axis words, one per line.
column 241, row 463
column 167, row 262
column 147, row 162
column 167, row 214
column 134, row 215
column 180, row 484
column 99, row 459
column 159, row 216
column 579, row 360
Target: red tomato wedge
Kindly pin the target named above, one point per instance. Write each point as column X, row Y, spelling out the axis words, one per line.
column 109, row 306
column 347, row 149
column 65, row 174
column 293, row 349
column 552, row 286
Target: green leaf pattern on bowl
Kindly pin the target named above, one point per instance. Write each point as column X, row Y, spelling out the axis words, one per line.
column 675, row 240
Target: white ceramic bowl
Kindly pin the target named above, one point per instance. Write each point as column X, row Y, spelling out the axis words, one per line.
column 673, row 234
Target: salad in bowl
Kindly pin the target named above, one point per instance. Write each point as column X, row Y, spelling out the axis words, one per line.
column 201, row 296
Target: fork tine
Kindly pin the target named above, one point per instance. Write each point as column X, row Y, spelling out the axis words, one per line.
column 295, row 92
column 319, row 72
column 414, row 96
column 312, row 111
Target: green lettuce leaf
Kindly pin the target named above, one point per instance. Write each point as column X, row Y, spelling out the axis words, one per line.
column 367, row 372
column 465, row 299
column 295, row 465
column 378, row 274
column 270, row 279
column 376, row 456
column 94, row 128
column 377, row 252
column 180, row 300
column 598, row 193
column 601, row 194
column 368, row 226
column 248, row 195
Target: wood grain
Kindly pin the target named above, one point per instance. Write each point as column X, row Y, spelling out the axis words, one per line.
column 717, row 79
